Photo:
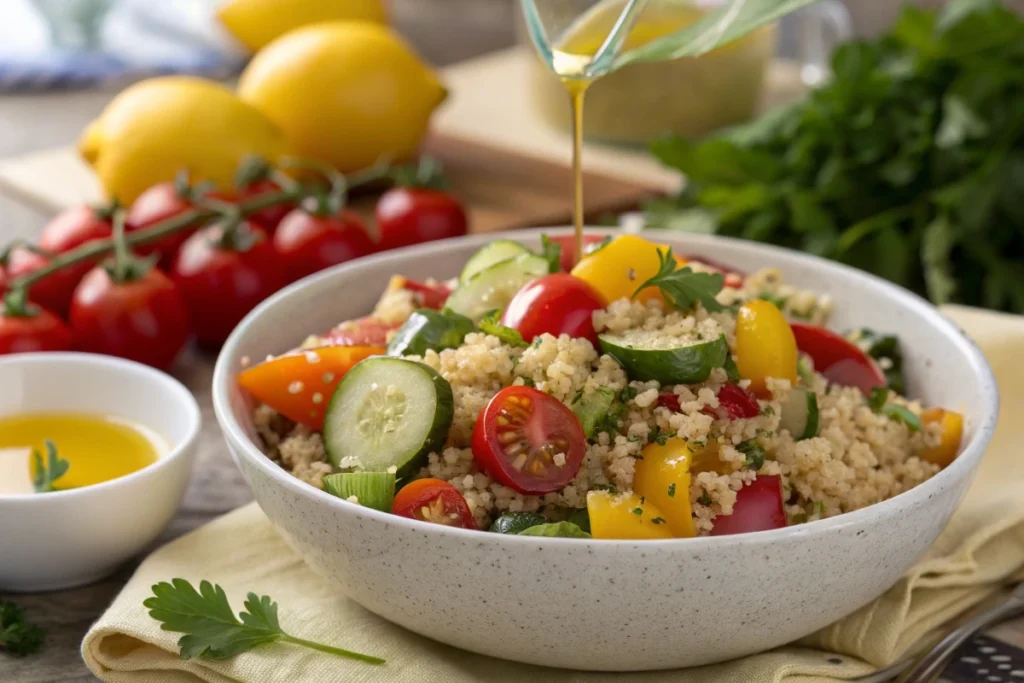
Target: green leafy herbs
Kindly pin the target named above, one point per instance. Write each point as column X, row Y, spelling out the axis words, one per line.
column 212, row 631
column 754, row 452
column 683, row 287
column 704, row 499
column 908, row 163
column 672, row 490
column 489, row 325
column 427, row 329
column 659, row 437
column 884, row 348
column 18, row 636
column 50, row 470
column 551, row 251
column 878, row 402
column 731, row 370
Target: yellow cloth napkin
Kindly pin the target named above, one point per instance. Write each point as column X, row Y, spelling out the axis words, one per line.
column 981, row 549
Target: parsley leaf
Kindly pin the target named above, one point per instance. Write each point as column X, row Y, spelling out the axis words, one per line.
column 704, row 499
column 683, row 287
column 672, row 490
column 53, row 469
column 877, row 398
column 489, row 325
column 877, row 402
column 18, row 636
column 212, row 631
column 754, row 451
column 551, row 252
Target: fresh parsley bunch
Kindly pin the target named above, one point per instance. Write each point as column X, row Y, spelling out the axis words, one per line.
column 908, row 164
column 18, row 636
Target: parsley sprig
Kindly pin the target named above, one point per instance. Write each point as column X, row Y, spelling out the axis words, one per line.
column 489, row 325
column 17, row 635
column 50, row 471
column 212, row 631
column 683, row 287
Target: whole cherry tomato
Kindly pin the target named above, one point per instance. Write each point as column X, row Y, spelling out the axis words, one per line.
column 841, row 361
column 35, row 330
column 74, row 227
column 413, row 215
column 557, row 304
column 143, row 318
column 568, row 245
column 528, row 440
column 223, row 272
column 433, row 500
column 309, row 242
column 759, row 507
column 270, row 217
column 158, row 203
column 54, row 291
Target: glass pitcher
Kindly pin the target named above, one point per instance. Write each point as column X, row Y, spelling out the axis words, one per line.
column 690, row 96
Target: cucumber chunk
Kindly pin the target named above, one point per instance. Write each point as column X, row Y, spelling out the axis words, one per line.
column 487, row 255
column 800, row 413
column 495, row 286
column 592, row 407
column 556, row 530
column 647, row 356
column 372, row 489
column 514, row 522
column 387, row 412
column 429, row 329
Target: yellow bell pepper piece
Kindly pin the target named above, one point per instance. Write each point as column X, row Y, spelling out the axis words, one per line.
column 952, row 431
column 765, row 345
column 663, row 478
column 622, row 265
column 624, row 516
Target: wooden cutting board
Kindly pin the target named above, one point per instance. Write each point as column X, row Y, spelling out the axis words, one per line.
column 508, row 166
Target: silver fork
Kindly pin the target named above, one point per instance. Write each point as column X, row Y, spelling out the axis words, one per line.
column 929, row 665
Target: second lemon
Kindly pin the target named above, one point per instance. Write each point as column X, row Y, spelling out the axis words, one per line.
column 348, row 93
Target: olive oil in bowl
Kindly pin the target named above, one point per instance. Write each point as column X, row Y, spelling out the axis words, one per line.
column 98, row 448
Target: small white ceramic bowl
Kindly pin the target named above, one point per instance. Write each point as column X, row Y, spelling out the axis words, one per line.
column 613, row 605
column 69, row 538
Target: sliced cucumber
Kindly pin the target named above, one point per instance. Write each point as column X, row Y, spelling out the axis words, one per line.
column 429, row 329
column 592, row 407
column 388, row 412
column 372, row 489
column 804, row 370
column 800, row 413
column 487, row 255
column 556, row 530
column 514, row 522
column 648, row 355
column 495, row 286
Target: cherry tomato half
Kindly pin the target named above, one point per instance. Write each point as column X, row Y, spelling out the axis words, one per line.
column 433, row 500
column 430, row 296
column 308, row 243
column 74, row 227
column 413, row 215
column 734, row 403
column 38, row 331
column 222, row 282
column 528, row 441
column 765, row 347
column 557, row 304
column 759, row 507
column 838, row 359
column 368, row 331
column 55, row 290
column 158, row 203
column 144, row 319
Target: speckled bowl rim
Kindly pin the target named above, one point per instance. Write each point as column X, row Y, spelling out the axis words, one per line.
column 182, row 401
column 964, row 466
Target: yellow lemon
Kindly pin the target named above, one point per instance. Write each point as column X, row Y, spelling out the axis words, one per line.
column 347, row 92
column 157, row 127
column 257, row 22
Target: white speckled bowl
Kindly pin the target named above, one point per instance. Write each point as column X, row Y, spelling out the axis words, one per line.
column 613, row 605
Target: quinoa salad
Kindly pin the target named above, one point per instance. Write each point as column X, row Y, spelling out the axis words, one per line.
column 636, row 394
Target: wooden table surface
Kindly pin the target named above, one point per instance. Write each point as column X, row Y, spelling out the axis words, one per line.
column 444, row 31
